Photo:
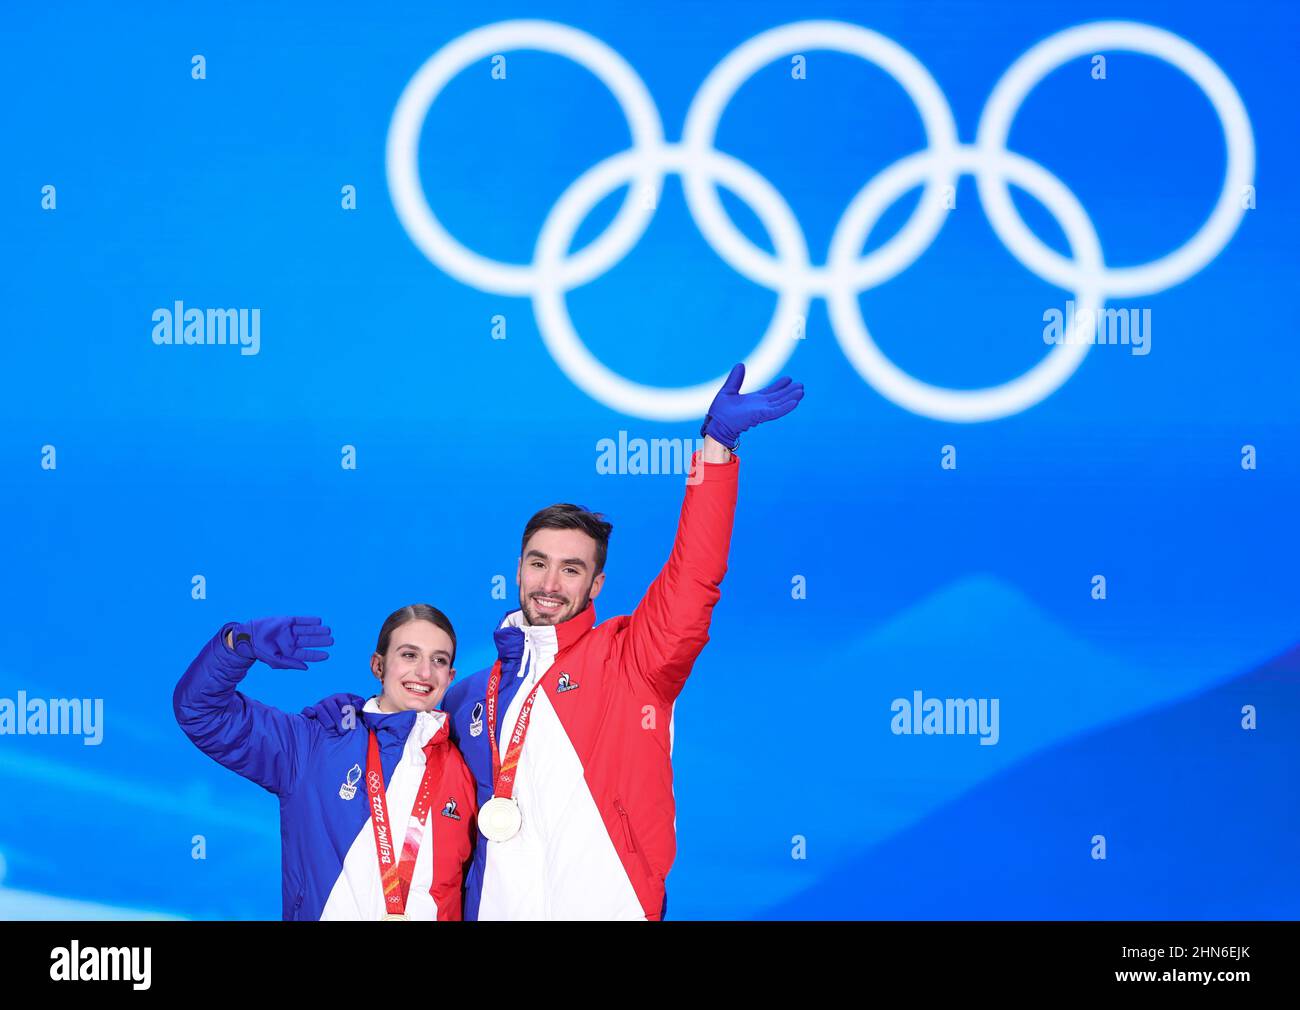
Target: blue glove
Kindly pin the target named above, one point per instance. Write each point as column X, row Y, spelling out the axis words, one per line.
column 330, row 711
column 733, row 411
column 286, row 643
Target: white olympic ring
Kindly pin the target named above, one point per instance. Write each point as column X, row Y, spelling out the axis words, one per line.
column 789, row 271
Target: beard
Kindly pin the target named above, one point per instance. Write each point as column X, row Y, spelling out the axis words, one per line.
column 537, row 617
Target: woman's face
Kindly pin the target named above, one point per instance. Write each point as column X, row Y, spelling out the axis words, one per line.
column 417, row 669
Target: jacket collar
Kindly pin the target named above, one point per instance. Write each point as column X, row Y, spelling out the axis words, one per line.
column 428, row 727
column 513, row 630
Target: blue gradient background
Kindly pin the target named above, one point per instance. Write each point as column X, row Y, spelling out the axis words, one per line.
column 1119, row 718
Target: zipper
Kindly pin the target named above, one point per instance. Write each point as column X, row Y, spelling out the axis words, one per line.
column 627, row 826
column 631, row 839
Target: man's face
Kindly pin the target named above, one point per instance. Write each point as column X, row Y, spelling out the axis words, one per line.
column 557, row 575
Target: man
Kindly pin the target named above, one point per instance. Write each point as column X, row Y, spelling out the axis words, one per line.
column 569, row 734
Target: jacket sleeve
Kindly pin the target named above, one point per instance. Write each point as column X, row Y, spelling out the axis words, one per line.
column 257, row 741
column 670, row 625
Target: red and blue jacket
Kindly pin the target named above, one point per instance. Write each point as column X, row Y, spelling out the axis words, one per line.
column 595, row 776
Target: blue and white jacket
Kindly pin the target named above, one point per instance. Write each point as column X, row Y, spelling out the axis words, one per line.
column 329, row 865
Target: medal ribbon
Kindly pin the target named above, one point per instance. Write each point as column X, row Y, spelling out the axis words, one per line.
column 396, row 875
column 503, row 772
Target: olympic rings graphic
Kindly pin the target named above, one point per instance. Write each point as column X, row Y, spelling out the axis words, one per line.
column 789, row 270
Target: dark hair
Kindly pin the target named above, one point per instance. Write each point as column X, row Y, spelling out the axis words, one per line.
column 572, row 517
column 415, row 612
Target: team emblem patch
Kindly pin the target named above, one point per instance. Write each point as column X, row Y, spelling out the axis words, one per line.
column 476, row 720
column 349, row 788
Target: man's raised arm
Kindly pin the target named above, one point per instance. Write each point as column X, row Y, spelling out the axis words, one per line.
column 670, row 625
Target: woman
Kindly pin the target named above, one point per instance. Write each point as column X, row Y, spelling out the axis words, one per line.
column 376, row 813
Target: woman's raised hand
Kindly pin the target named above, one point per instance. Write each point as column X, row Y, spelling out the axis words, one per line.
column 285, row 643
